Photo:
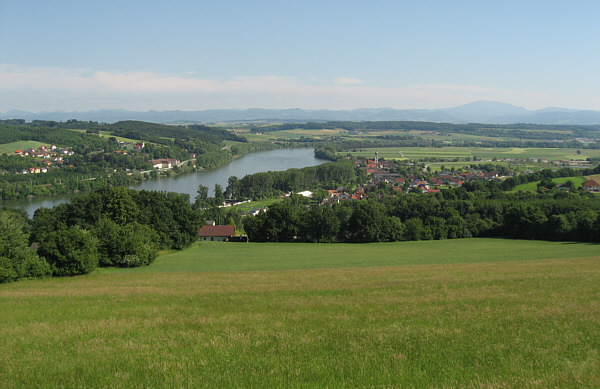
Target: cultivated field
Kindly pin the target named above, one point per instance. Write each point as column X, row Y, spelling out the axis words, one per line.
column 460, row 313
column 413, row 153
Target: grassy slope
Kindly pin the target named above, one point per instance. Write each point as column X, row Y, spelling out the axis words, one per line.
column 519, row 314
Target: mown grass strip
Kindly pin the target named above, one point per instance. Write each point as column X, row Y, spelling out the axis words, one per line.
column 224, row 256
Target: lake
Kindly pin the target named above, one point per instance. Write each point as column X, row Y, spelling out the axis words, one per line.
column 274, row 160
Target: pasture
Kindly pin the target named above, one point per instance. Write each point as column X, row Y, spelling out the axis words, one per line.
column 464, row 313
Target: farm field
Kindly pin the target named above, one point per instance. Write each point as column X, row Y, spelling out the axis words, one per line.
column 463, row 313
column 9, row 148
column 483, row 153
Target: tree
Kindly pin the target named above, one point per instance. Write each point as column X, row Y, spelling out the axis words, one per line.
column 253, row 225
column 369, row 223
column 282, row 223
column 524, row 221
column 320, row 195
column 110, row 240
column 318, row 225
column 570, row 184
column 70, row 252
column 119, row 205
column 413, row 229
column 233, row 187
column 219, row 196
column 17, row 260
column 547, row 183
column 138, row 248
column 201, row 197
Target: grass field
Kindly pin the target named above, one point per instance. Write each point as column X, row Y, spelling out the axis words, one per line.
column 9, row 148
column 532, row 186
column 466, row 313
column 247, row 207
column 108, row 134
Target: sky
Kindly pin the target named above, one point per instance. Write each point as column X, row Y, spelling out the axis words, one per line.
column 195, row 55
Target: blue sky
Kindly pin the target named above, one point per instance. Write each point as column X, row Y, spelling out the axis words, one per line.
column 193, row 55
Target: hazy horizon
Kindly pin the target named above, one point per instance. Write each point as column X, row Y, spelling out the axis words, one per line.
column 200, row 55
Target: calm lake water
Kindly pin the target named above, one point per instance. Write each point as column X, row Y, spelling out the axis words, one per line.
column 274, row 160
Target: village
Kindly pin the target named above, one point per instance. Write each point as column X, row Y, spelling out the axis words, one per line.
column 409, row 177
column 51, row 155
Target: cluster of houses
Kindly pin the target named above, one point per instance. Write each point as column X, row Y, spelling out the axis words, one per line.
column 45, row 152
column 379, row 171
column 50, row 154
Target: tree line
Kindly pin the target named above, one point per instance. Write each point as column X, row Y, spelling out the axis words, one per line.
column 449, row 214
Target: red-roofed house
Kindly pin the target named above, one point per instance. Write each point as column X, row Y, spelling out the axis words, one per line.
column 219, row 233
column 591, row 186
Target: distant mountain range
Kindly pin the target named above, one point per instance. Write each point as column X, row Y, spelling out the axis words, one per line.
column 489, row 112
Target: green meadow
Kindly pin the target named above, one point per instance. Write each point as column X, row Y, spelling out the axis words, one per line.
column 247, row 207
column 471, row 313
column 532, row 186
